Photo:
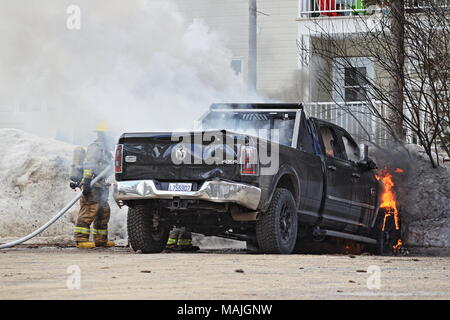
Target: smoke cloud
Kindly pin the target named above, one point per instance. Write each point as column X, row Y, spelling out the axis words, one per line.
column 138, row 65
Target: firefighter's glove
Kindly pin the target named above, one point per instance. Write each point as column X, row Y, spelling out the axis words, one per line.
column 74, row 184
column 86, row 186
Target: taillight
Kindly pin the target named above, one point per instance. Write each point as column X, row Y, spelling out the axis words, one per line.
column 249, row 161
column 118, row 159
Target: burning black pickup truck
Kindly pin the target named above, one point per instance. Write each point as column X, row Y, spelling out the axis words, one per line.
column 262, row 173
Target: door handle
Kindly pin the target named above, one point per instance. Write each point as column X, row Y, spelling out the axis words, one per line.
column 355, row 175
column 332, row 168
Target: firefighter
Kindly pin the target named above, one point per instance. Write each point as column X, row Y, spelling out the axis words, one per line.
column 180, row 239
column 94, row 207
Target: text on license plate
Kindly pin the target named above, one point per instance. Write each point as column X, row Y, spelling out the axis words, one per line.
column 178, row 186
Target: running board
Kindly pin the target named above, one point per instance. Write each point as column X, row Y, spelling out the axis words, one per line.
column 343, row 235
column 235, row 236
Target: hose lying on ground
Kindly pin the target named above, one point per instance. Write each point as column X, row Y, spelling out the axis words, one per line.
column 56, row 217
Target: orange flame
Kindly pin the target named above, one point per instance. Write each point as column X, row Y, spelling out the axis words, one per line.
column 388, row 199
column 398, row 245
column 389, row 202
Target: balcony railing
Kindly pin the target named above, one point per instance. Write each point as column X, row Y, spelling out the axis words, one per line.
column 336, row 8
column 355, row 117
column 315, row 8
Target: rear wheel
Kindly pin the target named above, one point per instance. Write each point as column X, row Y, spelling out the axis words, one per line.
column 276, row 229
column 252, row 246
column 142, row 233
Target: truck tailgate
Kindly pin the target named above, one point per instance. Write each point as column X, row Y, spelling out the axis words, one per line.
column 158, row 156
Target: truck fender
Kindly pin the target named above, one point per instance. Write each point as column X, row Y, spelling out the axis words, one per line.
column 285, row 172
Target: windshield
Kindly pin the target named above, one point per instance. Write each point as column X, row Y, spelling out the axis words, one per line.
column 260, row 124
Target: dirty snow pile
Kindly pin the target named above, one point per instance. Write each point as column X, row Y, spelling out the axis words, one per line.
column 423, row 195
column 34, row 186
column 425, row 199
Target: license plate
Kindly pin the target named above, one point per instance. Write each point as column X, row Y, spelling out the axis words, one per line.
column 180, row 186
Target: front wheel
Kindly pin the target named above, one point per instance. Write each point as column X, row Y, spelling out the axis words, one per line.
column 142, row 233
column 276, row 229
column 387, row 238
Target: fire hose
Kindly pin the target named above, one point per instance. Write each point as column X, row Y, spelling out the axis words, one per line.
column 56, row 217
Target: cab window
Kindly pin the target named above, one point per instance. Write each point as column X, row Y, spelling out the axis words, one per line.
column 351, row 149
column 331, row 143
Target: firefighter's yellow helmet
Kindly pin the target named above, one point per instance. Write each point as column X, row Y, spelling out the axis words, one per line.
column 101, row 127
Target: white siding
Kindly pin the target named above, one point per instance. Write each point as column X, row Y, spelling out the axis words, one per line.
column 277, row 46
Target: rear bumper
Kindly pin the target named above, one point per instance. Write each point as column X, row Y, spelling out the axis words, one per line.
column 215, row 191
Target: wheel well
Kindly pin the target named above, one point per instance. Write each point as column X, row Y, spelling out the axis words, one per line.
column 288, row 182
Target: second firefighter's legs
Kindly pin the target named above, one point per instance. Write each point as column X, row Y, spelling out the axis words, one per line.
column 180, row 239
column 173, row 239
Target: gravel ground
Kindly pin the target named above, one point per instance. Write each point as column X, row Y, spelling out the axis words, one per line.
column 50, row 273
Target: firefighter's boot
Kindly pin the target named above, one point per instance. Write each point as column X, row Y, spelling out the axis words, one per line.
column 172, row 241
column 184, row 243
column 106, row 244
column 85, row 244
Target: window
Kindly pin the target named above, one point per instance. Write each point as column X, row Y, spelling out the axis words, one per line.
column 355, row 84
column 351, row 77
column 331, row 143
column 236, row 65
column 351, row 149
column 256, row 123
column 305, row 140
column 286, row 128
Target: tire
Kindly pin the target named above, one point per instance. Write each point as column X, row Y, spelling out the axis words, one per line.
column 385, row 239
column 141, row 233
column 276, row 229
column 251, row 246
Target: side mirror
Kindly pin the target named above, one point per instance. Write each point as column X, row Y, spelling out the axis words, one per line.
column 364, row 160
column 363, row 153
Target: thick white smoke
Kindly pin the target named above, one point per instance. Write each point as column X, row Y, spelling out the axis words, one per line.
column 139, row 65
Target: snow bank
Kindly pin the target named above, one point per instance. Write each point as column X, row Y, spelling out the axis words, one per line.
column 424, row 198
column 34, row 184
